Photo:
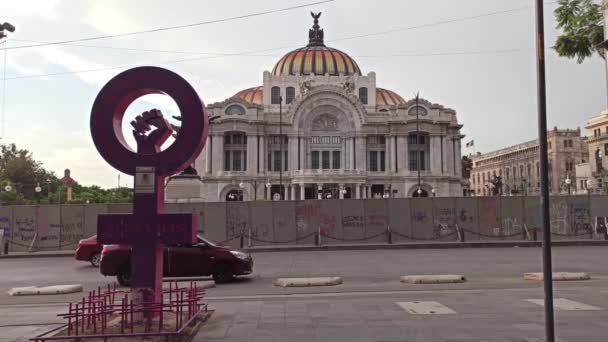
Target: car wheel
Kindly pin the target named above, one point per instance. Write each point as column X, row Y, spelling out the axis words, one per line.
column 124, row 276
column 222, row 274
column 95, row 259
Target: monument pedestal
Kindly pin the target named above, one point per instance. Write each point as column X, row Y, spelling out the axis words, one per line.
column 184, row 188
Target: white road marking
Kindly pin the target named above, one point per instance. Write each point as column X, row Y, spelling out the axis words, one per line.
column 425, row 308
column 565, row 304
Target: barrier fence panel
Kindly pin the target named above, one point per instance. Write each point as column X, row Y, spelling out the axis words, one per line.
column 559, row 217
column 468, row 217
column 330, row 222
column 71, row 225
column 599, row 213
column 421, row 217
column 353, row 219
column 122, row 208
column 307, row 220
column 398, row 212
column 6, row 228
column 283, row 223
column 489, row 209
column 376, row 220
column 262, row 231
column 512, row 218
column 191, row 208
column 91, row 211
column 237, row 222
column 444, row 219
column 532, row 217
column 214, row 221
column 580, row 218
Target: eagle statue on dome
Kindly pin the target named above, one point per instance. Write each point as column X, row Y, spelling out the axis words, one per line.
column 315, row 34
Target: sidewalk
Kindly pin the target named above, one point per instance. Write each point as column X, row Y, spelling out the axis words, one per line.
column 360, row 246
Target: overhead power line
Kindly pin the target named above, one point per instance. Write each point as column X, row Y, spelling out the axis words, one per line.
column 160, row 29
column 253, row 52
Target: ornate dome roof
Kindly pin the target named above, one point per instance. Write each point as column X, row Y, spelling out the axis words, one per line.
column 252, row 95
column 385, row 97
column 316, row 58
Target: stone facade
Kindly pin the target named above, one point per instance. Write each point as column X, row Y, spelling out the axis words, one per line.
column 597, row 142
column 519, row 165
column 343, row 137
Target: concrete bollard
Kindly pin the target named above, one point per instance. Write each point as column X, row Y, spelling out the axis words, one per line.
column 534, row 235
column 6, row 248
column 242, row 241
column 462, row 239
column 389, row 235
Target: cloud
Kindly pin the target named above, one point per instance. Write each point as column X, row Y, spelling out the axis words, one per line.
column 108, row 19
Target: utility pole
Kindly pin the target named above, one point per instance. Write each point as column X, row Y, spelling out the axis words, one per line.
column 9, row 28
column 419, row 192
column 544, row 174
column 281, row 158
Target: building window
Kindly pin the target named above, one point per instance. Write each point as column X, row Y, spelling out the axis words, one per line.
column 275, row 95
column 325, row 159
column 418, row 151
column 235, row 151
column 514, row 172
column 529, row 170
column 373, row 160
column 277, row 161
column 363, row 95
column 290, row 94
column 521, row 171
column 235, row 110
column 419, row 109
column 335, row 160
column 315, row 160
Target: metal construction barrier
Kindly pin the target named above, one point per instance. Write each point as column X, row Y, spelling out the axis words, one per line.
column 314, row 222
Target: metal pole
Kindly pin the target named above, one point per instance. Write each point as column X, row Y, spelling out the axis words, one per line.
column 417, row 142
column 544, row 174
column 281, row 146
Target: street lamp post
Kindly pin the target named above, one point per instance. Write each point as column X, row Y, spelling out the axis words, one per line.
column 419, row 191
column 268, row 186
column 568, row 182
column 434, row 192
column 38, row 190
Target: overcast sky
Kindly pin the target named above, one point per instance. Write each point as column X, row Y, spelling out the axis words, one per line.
column 494, row 93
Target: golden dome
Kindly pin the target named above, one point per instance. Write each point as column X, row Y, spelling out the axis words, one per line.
column 385, row 97
column 316, row 58
column 253, row 95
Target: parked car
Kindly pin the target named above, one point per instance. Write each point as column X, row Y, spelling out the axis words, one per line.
column 203, row 258
column 89, row 250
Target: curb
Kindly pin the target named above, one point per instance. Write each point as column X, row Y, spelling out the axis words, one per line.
column 308, row 282
column 558, row 276
column 21, row 255
column 423, row 245
column 433, row 279
column 45, row 290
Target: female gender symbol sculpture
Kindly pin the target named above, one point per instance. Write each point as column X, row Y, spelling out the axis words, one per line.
column 147, row 229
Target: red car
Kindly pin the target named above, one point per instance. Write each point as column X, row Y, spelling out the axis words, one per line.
column 201, row 259
column 89, row 250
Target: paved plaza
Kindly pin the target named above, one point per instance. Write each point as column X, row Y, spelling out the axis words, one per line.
column 495, row 304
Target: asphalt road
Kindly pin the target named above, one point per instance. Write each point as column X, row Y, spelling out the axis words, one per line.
column 251, row 309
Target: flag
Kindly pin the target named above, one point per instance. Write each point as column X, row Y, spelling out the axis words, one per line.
column 470, row 143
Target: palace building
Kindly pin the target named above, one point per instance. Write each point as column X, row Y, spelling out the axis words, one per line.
column 319, row 128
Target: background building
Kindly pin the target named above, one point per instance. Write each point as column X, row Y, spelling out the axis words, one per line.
column 321, row 128
column 597, row 142
column 518, row 166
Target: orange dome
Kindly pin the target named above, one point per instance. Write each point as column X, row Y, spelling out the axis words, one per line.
column 253, row 95
column 316, row 60
column 385, row 97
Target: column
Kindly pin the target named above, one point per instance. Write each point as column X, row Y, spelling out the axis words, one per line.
column 302, row 192
column 403, row 155
column 286, row 192
column 319, row 191
column 445, row 146
column 388, row 154
column 459, row 158
column 262, row 154
column 267, row 193
column 340, row 192
column 218, row 153
column 292, row 153
column 303, row 152
column 450, row 155
column 293, row 192
column 360, row 151
column 208, row 155
column 435, row 154
column 357, row 191
column 252, row 154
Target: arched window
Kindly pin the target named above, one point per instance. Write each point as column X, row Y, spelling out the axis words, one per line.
column 363, row 95
column 235, row 110
column 290, row 94
column 421, row 110
column 275, row 95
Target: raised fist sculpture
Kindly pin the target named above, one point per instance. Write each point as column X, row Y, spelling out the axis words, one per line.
column 150, row 143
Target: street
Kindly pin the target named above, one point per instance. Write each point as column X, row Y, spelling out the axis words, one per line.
column 495, row 304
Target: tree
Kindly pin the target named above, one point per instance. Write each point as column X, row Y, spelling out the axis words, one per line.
column 582, row 25
column 467, row 166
